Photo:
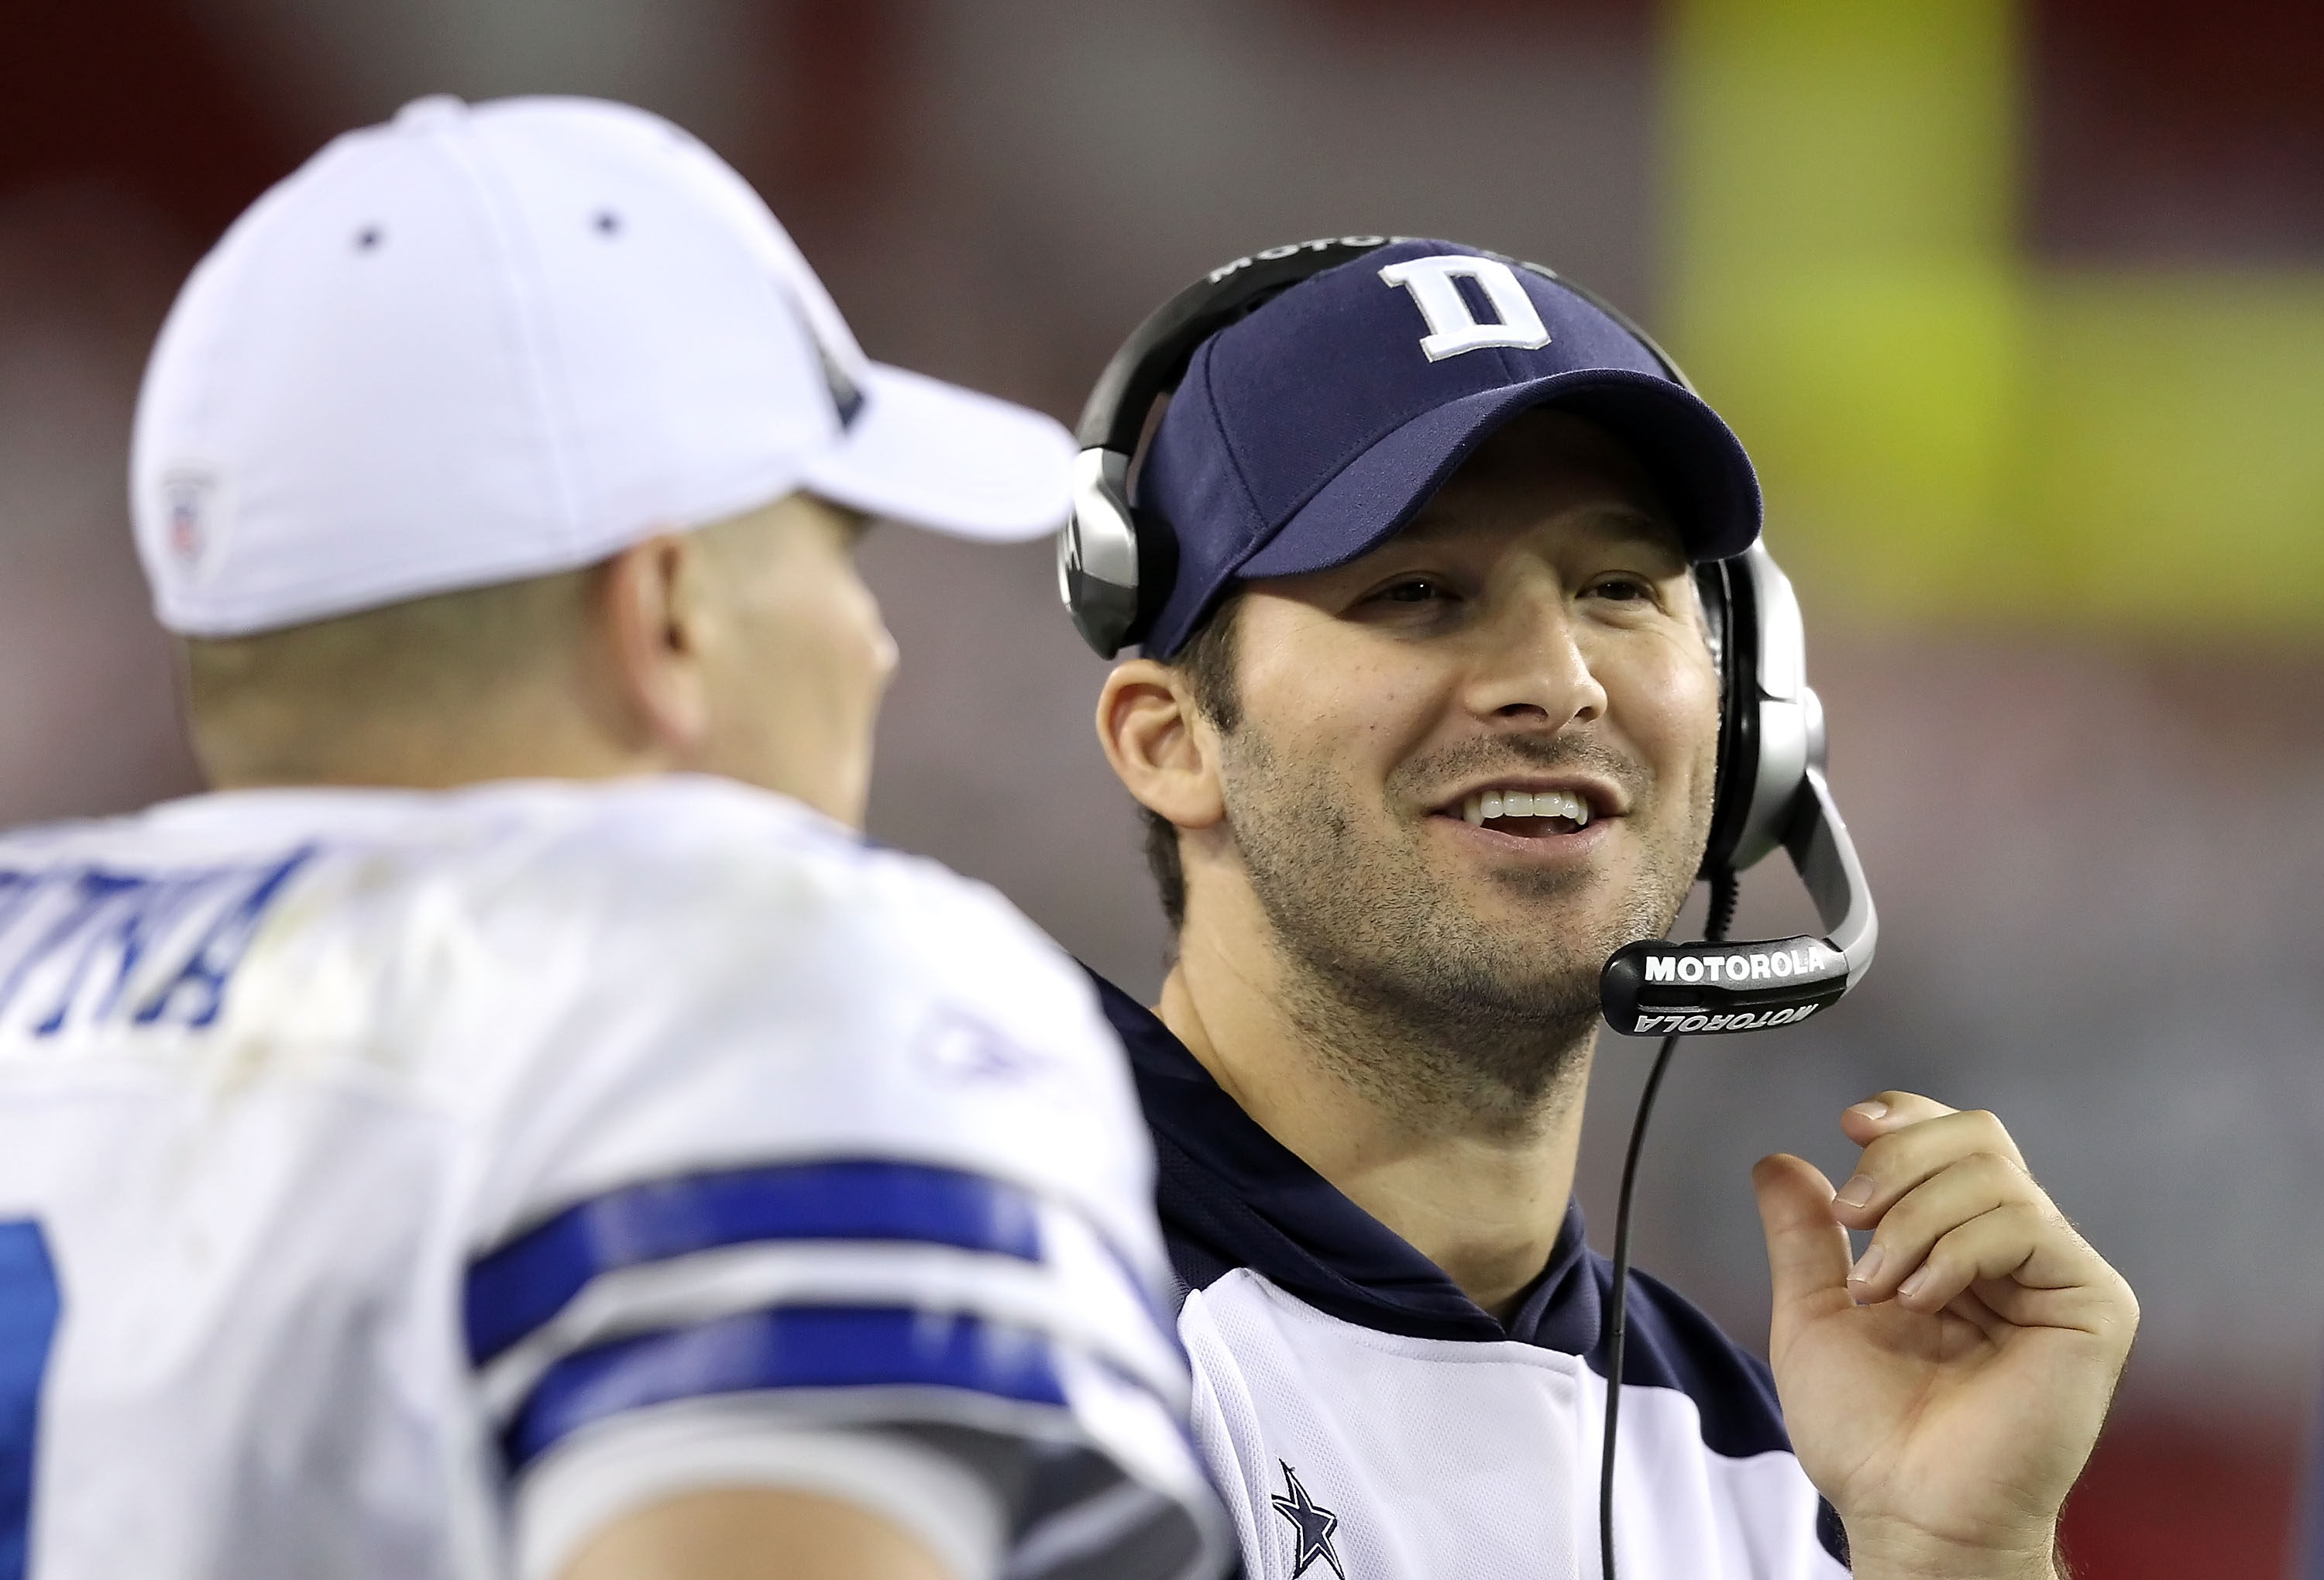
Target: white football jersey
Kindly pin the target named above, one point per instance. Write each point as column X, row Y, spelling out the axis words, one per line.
column 402, row 1184
column 1364, row 1419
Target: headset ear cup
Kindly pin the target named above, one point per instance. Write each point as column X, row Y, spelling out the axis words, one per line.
column 1729, row 613
column 1114, row 561
column 1116, row 566
column 1785, row 708
column 1100, row 558
column 1770, row 727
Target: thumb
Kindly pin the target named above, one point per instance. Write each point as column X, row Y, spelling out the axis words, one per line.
column 1807, row 1250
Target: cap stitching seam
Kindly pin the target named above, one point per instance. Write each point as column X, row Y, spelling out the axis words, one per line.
column 533, row 336
column 1234, row 459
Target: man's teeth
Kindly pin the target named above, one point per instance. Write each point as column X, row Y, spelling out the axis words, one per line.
column 1488, row 805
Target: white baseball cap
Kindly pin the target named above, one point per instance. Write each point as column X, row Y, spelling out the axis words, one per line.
column 484, row 342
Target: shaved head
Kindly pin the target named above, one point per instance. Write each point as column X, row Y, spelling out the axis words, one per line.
column 289, row 706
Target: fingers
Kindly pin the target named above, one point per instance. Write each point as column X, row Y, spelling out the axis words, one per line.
column 1956, row 1219
column 1807, row 1252
column 1998, row 1244
column 1883, row 1112
column 1908, row 1231
column 1909, row 1142
column 2022, row 1262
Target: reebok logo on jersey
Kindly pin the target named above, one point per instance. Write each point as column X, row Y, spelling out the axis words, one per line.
column 1311, row 1526
column 960, row 1047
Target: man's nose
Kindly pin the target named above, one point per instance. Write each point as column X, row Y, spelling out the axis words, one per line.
column 1530, row 669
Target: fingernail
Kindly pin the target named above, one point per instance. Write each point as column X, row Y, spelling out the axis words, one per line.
column 1868, row 1266
column 1857, row 1191
column 1914, row 1285
column 1871, row 1108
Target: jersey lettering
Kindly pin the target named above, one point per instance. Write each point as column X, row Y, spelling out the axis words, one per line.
column 159, row 947
column 1453, row 326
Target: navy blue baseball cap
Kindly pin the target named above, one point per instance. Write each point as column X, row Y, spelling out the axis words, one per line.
column 1311, row 431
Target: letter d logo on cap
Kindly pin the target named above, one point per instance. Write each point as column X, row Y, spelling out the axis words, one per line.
column 1453, row 328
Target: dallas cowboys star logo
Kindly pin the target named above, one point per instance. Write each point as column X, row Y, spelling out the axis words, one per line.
column 1313, row 1526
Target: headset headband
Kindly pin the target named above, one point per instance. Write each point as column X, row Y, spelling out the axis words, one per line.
column 1154, row 358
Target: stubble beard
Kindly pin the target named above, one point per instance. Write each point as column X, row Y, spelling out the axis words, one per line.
column 1405, row 992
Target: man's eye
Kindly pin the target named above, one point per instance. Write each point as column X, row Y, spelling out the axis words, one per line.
column 1419, row 589
column 1623, row 589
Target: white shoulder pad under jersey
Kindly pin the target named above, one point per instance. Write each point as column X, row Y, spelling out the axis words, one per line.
column 393, row 1183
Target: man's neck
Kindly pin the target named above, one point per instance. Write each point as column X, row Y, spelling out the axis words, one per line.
column 1480, row 1195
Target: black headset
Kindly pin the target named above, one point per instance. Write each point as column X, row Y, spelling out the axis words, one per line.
column 1115, row 562
column 1115, row 566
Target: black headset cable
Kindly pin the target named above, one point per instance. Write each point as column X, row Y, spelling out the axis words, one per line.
column 1723, row 890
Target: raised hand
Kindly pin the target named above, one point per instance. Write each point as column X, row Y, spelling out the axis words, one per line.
column 1945, row 1391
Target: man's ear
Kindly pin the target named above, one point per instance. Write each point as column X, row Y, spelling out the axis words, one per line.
column 1162, row 749
column 654, row 618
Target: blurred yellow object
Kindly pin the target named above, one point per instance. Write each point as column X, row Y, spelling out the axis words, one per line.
column 1947, row 431
column 2177, row 445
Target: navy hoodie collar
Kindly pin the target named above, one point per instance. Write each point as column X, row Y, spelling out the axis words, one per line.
column 1233, row 1196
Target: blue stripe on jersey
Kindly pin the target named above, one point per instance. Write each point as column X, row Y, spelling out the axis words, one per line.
column 516, row 1288
column 800, row 1346
column 30, row 1303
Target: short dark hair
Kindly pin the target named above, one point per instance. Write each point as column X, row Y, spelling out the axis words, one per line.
column 1207, row 662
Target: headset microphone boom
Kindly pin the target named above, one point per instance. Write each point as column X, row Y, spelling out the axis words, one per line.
column 1770, row 793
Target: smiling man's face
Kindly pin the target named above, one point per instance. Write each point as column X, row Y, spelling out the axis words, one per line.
column 1473, row 762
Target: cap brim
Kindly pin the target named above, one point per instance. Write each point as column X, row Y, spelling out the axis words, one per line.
column 1688, row 452
column 948, row 459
